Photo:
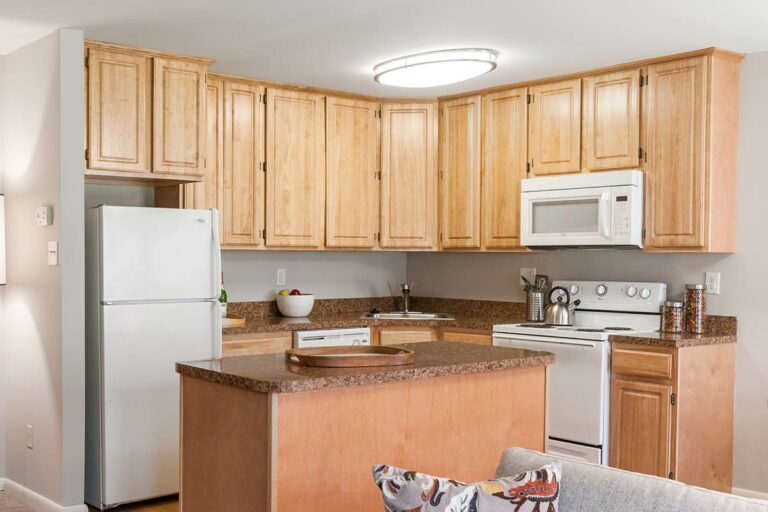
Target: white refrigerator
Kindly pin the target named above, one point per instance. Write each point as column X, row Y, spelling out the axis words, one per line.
column 153, row 279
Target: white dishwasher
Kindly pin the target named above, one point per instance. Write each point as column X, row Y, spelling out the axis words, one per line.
column 357, row 336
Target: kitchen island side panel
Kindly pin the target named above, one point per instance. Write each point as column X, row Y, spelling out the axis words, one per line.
column 454, row 426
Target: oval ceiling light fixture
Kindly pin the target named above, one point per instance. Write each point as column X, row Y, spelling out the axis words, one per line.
column 441, row 67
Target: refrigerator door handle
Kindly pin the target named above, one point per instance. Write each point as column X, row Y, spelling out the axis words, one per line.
column 216, row 279
column 217, row 327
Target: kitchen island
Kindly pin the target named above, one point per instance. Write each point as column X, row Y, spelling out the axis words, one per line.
column 263, row 434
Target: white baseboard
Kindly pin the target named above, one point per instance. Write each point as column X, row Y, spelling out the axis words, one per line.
column 35, row 501
column 746, row 493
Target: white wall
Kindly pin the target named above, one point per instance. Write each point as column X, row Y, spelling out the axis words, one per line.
column 2, row 295
column 744, row 275
column 43, row 326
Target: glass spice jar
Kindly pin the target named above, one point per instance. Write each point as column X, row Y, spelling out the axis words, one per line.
column 672, row 317
column 695, row 306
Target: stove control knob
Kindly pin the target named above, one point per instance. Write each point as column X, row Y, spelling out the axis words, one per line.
column 631, row 291
column 645, row 293
column 574, row 289
column 601, row 290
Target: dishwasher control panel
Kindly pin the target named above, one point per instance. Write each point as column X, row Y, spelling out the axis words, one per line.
column 353, row 337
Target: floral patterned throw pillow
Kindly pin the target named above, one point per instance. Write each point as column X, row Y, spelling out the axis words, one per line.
column 408, row 491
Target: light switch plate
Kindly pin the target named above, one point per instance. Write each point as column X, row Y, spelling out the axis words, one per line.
column 53, row 253
column 281, row 274
column 29, row 439
column 713, row 282
column 44, row 216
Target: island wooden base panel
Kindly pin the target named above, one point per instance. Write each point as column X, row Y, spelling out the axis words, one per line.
column 314, row 451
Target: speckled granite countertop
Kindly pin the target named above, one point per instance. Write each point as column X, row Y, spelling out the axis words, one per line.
column 469, row 314
column 272, row 373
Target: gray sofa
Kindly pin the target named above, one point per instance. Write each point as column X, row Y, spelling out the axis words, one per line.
column 589, row 488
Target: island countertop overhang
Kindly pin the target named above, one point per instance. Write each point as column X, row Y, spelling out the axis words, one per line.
column 271, row 373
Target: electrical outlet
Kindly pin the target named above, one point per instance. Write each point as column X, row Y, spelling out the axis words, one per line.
column 29, row 439
column 713, row 282
column 529, row 273
column 281, row 277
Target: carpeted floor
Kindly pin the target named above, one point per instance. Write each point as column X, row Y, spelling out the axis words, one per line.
column 10, row 505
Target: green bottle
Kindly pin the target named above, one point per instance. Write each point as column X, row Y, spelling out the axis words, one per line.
column 223, row 298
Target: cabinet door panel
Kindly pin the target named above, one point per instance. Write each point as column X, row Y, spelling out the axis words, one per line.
column 555, row 128
column 641, row 427
column 206, row 194
column 505, row 130
column 675, row 120
column 295, row 169
column 352, row 164
column 179, row 117
column 460, row 173
column 243, row 154
column 409, row 176
column 119, row 112
column 611, row 121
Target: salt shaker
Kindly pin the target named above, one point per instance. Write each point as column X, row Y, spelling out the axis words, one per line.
column 695, row 306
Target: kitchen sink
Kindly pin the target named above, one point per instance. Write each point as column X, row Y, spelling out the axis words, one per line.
column 411, row 315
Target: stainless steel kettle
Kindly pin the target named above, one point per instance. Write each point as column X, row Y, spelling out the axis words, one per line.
column 559, row 312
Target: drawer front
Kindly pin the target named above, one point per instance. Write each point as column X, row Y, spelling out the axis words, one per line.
column 397, row 336
column 643, row 363
column 248, row 345
column 466, row 337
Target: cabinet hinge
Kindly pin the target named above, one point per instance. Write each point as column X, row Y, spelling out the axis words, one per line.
column 646, row 80
column 263, row 98
column 673, row 400
column 643, row 234
column 640, row 153
column 529, row 100
column 671, row 475
column 642, row 80
column 377, row 237
column 87, row 154
column 378, row 113
column 263, row 166
column 87, row 61
column 264, row 234
column 378, row 175
column 527, row 167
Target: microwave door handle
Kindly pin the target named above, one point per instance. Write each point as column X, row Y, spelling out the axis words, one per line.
column 606, row 202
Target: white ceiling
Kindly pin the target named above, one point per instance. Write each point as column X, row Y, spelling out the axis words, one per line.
column 335, row 43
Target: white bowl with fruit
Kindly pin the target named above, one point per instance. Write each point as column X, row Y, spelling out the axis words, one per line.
column 295, row 304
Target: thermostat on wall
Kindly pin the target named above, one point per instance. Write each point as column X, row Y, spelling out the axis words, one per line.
column 44, row 216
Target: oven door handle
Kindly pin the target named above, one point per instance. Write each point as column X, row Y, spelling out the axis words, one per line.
column 548, row 341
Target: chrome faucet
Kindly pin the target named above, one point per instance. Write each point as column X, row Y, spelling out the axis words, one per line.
column 405, row 289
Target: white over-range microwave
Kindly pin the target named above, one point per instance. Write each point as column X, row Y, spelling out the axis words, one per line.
column 602, row 209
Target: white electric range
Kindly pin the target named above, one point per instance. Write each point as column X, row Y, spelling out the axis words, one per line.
column 579, row 380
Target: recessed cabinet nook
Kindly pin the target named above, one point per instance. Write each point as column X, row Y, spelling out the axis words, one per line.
column 292, row 167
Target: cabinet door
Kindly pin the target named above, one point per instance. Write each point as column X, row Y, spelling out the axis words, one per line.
column 243, row 197
column 352, row 159
column 675, row 117
column 641, row 427
column 505, row 135
column 460, row 173
column 119, row 112
column 408, row 176
column 206, row 194
column 554, row 144
column 611, row 121
column 179, row 117
column 295, row 169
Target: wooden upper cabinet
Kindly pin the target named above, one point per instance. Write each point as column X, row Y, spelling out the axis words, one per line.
column 243, row 194
column 554, row 143
column 641, row 427
column 119, row 110
column 675, row 124
column 206, row 194
column 352, row 160
column 295, row 166
column 505, row 134
column 178, row 116
column 611, row 121
column 460, row 173
column 409, row 175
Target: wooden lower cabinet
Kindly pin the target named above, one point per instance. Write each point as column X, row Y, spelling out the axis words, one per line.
column 393, row 335
column 672, row 412
column 466, row 336
column 253, row 344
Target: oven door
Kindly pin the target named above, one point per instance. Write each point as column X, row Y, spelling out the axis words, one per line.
column 569, row 217
column 578, row 384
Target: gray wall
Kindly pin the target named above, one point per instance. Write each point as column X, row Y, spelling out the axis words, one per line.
column 744, row 275
column 44, row 306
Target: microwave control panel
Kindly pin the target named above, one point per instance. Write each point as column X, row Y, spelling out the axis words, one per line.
column 621, row 215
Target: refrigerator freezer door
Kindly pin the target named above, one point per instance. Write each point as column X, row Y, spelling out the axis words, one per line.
column 158, row 254
column 140, row 345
